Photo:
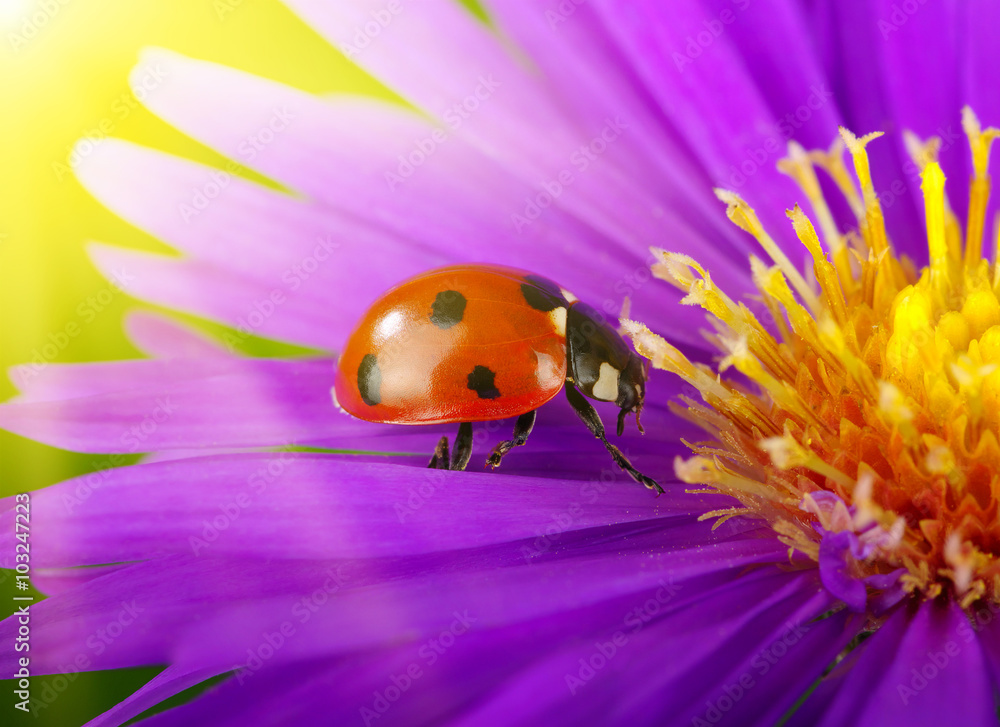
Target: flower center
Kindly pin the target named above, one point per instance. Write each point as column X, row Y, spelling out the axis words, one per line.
column 865, row 428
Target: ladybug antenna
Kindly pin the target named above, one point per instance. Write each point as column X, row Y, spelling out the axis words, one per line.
column 637, row 408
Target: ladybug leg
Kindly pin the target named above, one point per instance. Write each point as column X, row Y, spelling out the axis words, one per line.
column 461, row 454
column 439, row 460
column 463, row 447
column 592, row 419
column 522, row 428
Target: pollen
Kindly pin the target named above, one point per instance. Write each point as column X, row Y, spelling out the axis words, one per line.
column 855, row 406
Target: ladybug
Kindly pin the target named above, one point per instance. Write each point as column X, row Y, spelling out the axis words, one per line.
column 476, row 342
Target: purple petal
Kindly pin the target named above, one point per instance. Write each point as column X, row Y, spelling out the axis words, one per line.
column 164, row 685
column 849, row 33
column 927, row 669
column 456, row 53
column 410, row 57
column 160, row 336
column 979, row 78
column 252, row 307
column 583, row 70
column 451, row 676
column 674, row 669
column 55, row 581
column 138, row 406
column 341, row 606
column 231, row 403
column 285, row 505
column 716, row 103
column 524, row 681
column 274, row 259
column 780, row 679
column 835, row 562
column 985, row 621
column 341, row 152
column 920, row 62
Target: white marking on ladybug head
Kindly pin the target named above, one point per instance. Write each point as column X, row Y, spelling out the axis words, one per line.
column 568, row 296
column 558, row 316
column 606, row 387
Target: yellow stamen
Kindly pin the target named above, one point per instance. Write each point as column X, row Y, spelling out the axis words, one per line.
column 829, row 281
column 933, row 188
column 876, row 382
column 980, row 142
column 873, row 224
column 924, row 153
column 745, row 218
column 832, row 160
column 799, row 166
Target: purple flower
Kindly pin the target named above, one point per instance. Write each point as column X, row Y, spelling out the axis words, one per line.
column 829, row 548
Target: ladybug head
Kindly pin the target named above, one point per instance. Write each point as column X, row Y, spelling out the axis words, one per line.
column 602, row 365
column 632, row 390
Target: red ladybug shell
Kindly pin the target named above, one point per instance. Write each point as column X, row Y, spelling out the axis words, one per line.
column 456, row 344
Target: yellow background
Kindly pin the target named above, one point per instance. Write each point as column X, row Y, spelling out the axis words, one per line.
column 64, row 66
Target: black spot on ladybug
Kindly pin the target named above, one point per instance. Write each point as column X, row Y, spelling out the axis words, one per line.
column 542, row 294
column 481, row 381
column 447, row 309
column 370, row 380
